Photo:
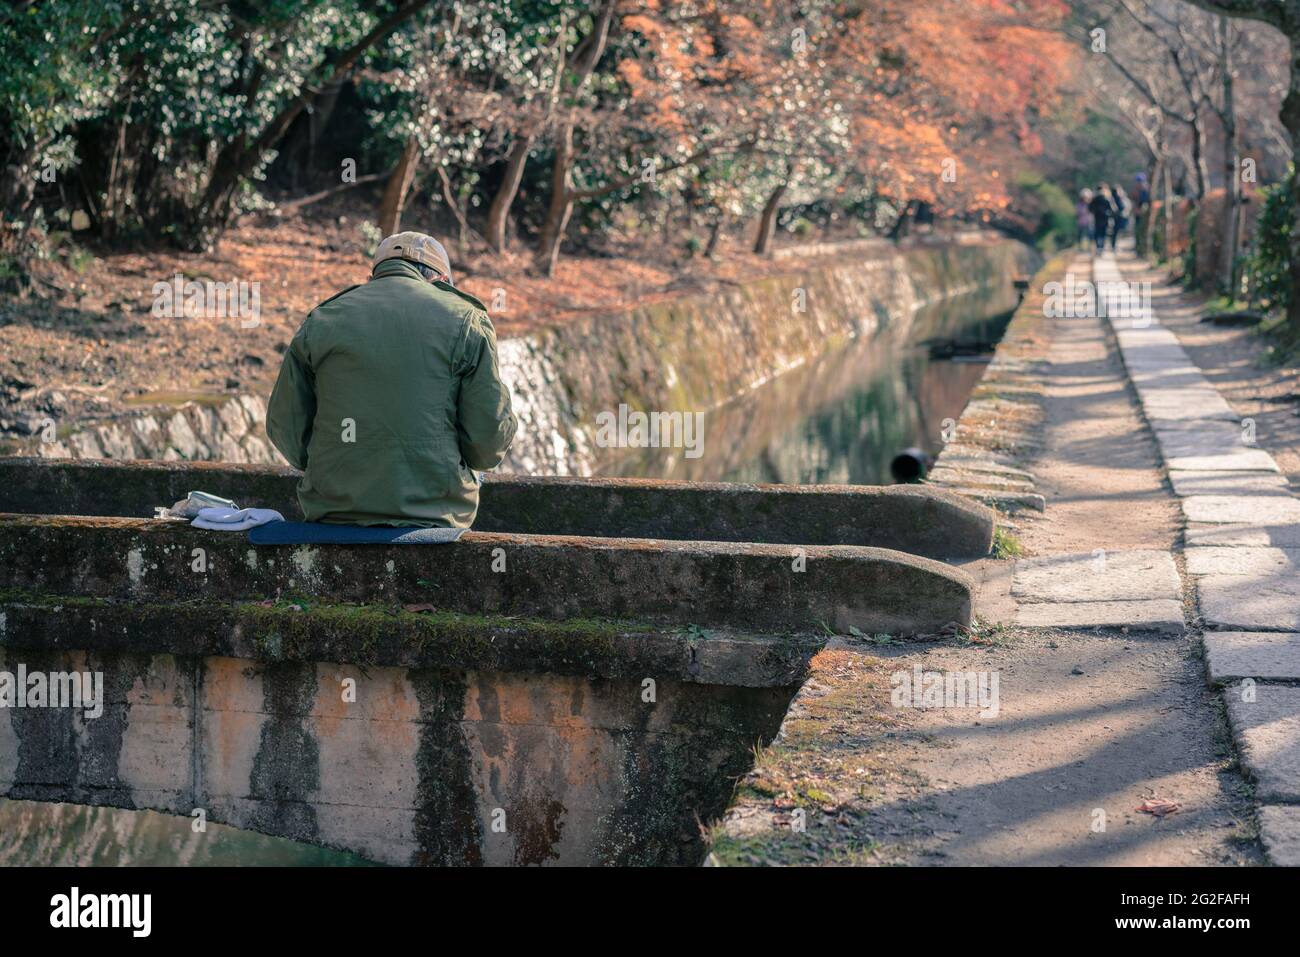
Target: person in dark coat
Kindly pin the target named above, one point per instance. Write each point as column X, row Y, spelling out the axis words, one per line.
column 1102, row 210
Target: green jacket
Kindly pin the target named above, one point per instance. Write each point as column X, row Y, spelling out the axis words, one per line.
column 389, row 395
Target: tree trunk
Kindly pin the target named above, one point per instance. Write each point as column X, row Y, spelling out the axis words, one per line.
column 499, row 211
column 903, row 227
column 585, row 57
column 1149, row 225
column 1167, row 210
column 462, row 223
column 1231, row 166
column 767, row 222
column 715, row 234
column 398, row 185
column 1199, row 165
column 561, row 205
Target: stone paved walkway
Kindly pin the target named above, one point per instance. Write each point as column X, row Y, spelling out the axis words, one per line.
column 1138, row 589
column 1242, row 545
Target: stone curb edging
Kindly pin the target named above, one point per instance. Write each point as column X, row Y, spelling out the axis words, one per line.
column 1002, row 422
column 1242, row 546
column 914, row 519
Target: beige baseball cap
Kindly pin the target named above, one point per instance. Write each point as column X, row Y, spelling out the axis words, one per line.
column 417, row 248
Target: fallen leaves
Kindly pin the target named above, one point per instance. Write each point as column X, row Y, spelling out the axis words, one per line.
column 1159, row 807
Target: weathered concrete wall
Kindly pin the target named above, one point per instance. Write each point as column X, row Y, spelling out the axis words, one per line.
column 912, row 519
column 414, row 767
column 693, row 352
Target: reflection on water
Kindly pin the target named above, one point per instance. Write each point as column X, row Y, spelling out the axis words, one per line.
column 63, row 835
column 850, row 441
column 838, row 420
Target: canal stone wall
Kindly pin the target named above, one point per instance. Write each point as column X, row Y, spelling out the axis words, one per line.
column 693, row 352
column 913, row 519
column 1002, row 423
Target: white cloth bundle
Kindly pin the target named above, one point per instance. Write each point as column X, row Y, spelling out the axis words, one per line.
column 235, row 519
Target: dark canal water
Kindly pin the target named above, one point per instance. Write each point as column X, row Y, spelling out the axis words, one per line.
column 840, row 419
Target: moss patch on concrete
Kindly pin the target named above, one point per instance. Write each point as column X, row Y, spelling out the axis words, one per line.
column 291, row 628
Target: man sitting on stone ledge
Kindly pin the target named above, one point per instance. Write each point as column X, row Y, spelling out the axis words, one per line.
column 390, row 396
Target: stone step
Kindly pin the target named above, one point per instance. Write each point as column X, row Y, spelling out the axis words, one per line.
column 1163, row 616
column 1187, row 483
column 992, row 480
column 1134, row 575
column 919, row 520
column 1264, row 655
column 967, row 463
column 1006, row 501
column 1279, row 829
column 1188, row 376
column 1222, row 560
column 1265, row 721
column 1137, row 589
column 1184, row 404
column 1209, row 446
column 1249, row 509
column 1261, row 602
column 1253, row 536
column 759, row 587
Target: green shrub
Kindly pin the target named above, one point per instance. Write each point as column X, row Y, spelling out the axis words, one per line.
column 1057, row 228
column 1267, row 265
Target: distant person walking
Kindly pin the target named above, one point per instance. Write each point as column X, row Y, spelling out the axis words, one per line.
column 1123, row 210
column 1083, row 217
column 1102, row 210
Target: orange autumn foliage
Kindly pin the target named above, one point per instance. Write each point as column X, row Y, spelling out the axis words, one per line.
column 924, row 88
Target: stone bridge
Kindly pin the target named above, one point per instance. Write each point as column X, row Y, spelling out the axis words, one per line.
column 581, row 679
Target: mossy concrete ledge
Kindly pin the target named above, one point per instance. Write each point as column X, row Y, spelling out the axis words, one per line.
column 766, row 588
column 381, row 635
column 914, row 519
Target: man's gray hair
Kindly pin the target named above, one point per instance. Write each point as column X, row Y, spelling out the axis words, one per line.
column 428, row 272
